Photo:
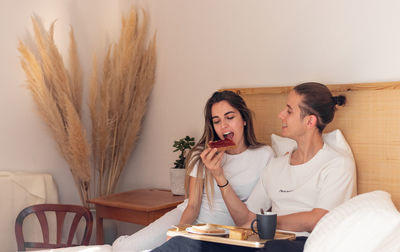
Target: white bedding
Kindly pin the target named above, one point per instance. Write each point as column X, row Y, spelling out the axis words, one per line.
column 92, row 248
column 368, row 222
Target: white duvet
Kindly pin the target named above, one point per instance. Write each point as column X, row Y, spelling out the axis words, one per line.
column 91, row 248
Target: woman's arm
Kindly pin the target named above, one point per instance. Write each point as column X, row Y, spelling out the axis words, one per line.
column 192, row 210
column 238, row 210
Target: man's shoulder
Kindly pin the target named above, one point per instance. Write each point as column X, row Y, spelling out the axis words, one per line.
column 330, row 153
column 277, row 164
column 263, row 152
column 261, row 148
column 338, row 160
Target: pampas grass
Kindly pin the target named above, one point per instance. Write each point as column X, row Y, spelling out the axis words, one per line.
column 117, row 100
column 57, row 94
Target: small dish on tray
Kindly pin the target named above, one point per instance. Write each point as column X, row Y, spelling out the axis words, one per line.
column 225, row 232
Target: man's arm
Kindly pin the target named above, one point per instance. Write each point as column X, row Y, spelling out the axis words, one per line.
column 301, row 221
column 336, row 183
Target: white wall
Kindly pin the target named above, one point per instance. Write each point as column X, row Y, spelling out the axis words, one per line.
column 202, row 46
column 26, row 144
column 206, row 45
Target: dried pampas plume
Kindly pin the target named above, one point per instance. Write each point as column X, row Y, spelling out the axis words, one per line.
column 117, row 100
column 57, row 93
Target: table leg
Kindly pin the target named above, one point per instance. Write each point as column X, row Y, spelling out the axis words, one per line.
column 99, row 230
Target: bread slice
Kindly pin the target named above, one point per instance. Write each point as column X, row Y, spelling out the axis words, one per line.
column 222, row 145
column 208, row 229
column 239, row 234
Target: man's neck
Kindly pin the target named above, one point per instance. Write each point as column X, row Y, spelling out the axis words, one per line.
column 307, row 147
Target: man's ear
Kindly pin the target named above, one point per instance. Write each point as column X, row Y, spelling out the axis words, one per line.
column 311, row 121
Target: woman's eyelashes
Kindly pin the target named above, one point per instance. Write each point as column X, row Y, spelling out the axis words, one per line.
column 217, row 121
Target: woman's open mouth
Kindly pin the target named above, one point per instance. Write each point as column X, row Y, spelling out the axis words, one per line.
column 228, row 135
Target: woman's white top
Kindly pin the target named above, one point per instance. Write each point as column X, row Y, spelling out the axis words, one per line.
column 243, row 172
column 325, row 182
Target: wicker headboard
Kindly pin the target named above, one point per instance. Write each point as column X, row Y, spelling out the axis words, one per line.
column 370, row 122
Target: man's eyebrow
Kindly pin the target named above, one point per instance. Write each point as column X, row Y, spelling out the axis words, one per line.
column 290, row 107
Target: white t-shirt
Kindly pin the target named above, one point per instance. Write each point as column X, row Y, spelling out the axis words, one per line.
column 243, row 172
column 325, row 182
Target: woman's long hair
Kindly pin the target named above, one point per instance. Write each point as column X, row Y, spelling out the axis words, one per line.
column 209, row 134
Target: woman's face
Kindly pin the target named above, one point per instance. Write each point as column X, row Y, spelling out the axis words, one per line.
column 228, row 123
column 293, row 126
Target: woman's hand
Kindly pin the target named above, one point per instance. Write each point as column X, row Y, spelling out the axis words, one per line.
column 212, row 159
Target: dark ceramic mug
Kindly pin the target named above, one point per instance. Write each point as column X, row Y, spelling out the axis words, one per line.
column 266, row 225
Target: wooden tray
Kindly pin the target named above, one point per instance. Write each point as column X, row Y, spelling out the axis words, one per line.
column 252, row 241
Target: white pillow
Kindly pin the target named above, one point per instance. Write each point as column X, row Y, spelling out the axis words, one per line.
column 282, row 145
column 335, row 139
column 367, row 222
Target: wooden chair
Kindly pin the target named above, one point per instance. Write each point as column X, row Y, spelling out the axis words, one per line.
column 60, row 211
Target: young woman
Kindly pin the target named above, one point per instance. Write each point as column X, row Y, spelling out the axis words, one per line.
column 301, row 187
column 226, row 116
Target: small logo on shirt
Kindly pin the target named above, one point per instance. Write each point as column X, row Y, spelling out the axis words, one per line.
column 281, row 190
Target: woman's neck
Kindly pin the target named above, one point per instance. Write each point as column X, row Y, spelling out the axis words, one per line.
column 239, row 149
column 307, row 148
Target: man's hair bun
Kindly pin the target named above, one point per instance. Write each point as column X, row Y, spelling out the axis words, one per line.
column 339, row 100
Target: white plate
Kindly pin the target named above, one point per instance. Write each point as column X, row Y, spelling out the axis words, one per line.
column 190, row 230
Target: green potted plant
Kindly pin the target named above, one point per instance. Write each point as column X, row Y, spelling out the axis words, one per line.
column 177, row 173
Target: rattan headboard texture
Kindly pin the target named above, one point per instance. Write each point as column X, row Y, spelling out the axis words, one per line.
column 370, row 122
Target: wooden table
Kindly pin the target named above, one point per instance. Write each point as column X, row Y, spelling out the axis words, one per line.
column 138, row 206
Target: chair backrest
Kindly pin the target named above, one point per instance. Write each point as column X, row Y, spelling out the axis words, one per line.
column 61, row 211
